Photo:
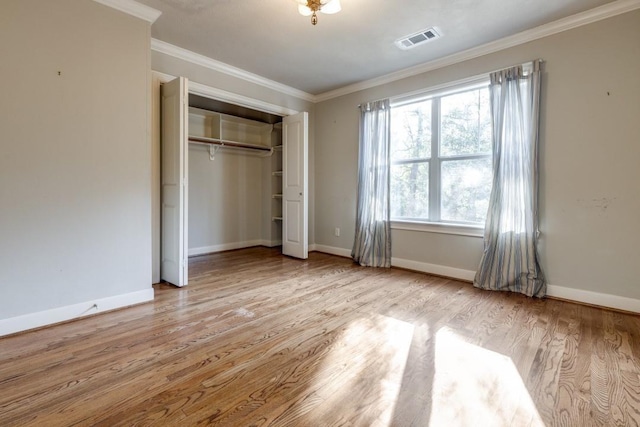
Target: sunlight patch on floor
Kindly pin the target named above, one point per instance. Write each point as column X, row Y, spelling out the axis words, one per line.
column 476, row 386
column 379, row 345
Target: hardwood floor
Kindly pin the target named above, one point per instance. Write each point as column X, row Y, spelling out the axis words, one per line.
column 258, row 339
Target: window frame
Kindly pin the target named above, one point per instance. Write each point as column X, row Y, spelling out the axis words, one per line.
column 435, row 94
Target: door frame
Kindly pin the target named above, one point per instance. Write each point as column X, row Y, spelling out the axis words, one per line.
column 157, row 79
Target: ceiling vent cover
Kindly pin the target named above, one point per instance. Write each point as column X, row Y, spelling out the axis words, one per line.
column 418, row 38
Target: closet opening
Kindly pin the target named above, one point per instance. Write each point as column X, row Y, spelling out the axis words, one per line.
column 235, row 188
column 231, row 177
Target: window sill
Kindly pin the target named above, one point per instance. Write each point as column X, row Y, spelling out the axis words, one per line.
column 438, row 227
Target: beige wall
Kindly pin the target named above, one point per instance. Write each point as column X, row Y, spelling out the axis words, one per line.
column 590, row 150
column 225, row 198
column 75, row 164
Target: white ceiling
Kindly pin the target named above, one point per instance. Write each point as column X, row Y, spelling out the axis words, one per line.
column 269, row 38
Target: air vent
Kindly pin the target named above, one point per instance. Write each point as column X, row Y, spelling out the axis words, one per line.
column 418, row 38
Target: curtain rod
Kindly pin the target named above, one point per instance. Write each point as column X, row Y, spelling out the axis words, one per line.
column 450, row 84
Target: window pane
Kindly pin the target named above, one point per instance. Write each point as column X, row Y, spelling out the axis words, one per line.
column 410, row 190
column 411, row 131
column 465, row 123
column 466, row 186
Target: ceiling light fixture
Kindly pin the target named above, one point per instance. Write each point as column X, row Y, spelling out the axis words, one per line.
column 311, row 7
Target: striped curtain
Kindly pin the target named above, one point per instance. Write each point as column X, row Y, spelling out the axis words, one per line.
column 510, row 260
column 372, row 244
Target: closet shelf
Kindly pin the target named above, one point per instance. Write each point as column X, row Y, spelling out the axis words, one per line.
column 276, row 173
column 276, row 218
column 277, row 147
column 229, row 144
column 277, row 196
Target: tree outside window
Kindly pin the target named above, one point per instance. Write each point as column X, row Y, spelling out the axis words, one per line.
column 441, row 158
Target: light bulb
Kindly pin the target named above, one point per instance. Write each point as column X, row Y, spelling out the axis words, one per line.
column 331, row 7
column 304, row 10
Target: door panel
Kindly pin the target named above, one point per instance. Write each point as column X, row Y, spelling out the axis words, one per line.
column 174, row 264
column 295, row 185
column 293, row 231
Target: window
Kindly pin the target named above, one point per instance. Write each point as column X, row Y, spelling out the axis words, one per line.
column 441, row 157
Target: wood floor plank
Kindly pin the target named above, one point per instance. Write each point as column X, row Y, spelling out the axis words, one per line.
column 280, row 316
column 259, row 339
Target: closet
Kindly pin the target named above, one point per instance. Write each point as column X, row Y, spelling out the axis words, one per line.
column 232, row 177
column 230, row 182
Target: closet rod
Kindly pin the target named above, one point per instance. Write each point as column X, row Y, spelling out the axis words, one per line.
column 223, row 143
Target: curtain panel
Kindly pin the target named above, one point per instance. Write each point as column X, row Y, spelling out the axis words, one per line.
column 372, row 243
column 510, row 259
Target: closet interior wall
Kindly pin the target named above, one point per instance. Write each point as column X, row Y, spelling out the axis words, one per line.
column 231, row 190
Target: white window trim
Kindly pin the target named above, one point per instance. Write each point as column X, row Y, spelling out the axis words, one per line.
column 469, row 230
column 443, row 227
column 449, row 88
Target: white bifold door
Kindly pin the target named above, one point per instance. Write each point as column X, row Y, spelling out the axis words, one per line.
column 294, row 185
column 175, row 119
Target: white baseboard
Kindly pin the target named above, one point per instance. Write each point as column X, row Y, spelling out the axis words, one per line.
column 594, row 298
column 570, row 294
column 438, row 270
column 331, row 250
column 227, row 247
column 69, row 312
column 271, row 243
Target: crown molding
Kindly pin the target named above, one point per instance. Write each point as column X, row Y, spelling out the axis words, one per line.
column 133, row 8
column 226, row 96
column 212, row 64
column 590, row 16
column 609, row 10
